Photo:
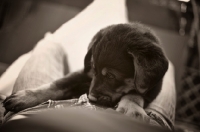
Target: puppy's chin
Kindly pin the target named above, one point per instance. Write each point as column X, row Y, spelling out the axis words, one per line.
column 102, row 103
column 106, row 104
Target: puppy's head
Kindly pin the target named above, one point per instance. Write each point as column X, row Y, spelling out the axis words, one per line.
column 122, row 58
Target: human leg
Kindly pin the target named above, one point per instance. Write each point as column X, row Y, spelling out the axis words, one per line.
column 46, row 64
column 8, row 78
column 164, row 104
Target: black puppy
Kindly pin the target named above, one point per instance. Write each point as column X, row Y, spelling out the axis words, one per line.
column 124, row 65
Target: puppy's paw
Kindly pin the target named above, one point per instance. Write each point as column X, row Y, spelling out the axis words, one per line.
column 20, row 101
column 132, row 109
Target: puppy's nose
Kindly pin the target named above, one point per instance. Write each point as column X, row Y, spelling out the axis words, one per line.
column 92, row 97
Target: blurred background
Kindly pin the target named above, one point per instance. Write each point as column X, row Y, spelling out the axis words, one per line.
column 24, row 22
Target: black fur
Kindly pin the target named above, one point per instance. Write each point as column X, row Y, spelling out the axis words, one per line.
column 133, row 50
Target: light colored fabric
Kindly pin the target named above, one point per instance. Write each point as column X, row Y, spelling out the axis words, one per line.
column 47, row 63
column 8, row 78
column 80, row 103
column 165, row 102
column 75, row 36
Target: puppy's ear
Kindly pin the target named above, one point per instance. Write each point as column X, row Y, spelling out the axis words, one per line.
column 88, row 57
column 150, row 64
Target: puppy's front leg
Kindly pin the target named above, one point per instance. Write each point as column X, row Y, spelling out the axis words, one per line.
column 132, row 105
column 63, row 88
column 28, row 98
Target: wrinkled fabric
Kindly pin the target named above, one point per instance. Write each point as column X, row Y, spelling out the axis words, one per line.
column 81, row 103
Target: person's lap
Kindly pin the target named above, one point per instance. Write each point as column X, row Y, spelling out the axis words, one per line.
column 78, row 104
column 79, row 120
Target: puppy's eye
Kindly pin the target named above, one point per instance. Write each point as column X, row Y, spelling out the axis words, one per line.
column 110, row 75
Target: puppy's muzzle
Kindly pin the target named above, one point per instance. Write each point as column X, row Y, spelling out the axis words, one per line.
column 100, row 98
